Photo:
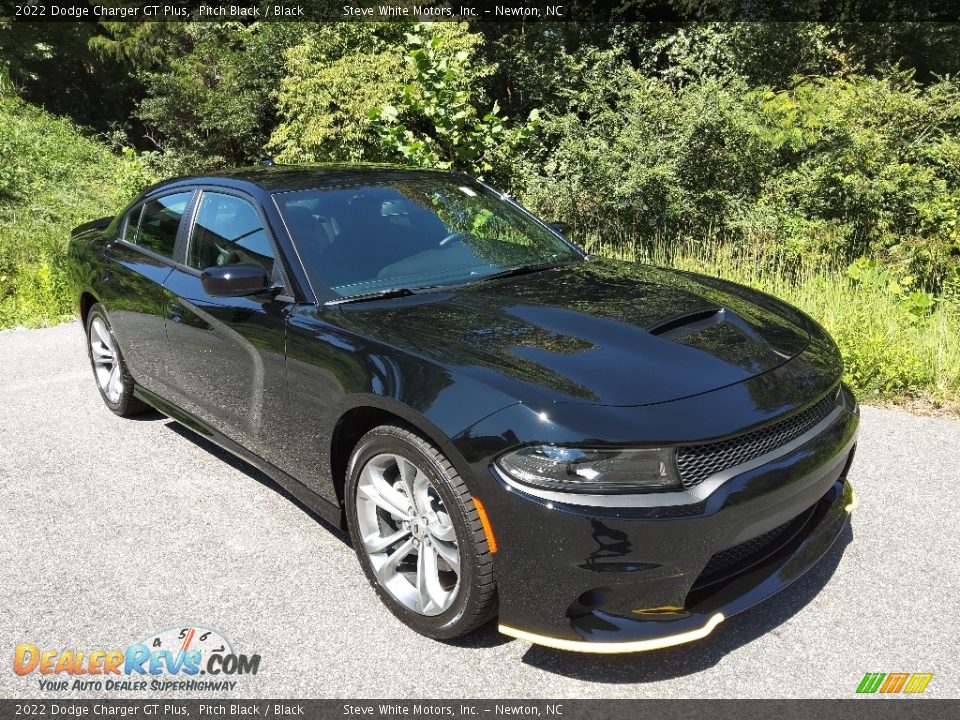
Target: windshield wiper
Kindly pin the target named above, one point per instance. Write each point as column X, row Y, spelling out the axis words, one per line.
column 376, row 295
column 522, row 270
column 406, row 292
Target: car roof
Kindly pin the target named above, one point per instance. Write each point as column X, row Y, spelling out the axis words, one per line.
column 281, row 178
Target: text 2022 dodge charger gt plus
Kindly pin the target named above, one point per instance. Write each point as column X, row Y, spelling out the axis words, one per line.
column 608, row 456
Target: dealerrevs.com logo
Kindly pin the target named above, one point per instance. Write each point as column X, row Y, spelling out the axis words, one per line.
column 188, row 657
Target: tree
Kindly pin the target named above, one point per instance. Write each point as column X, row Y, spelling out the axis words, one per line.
column 213, row 104
column 332, row 79
column 436, row 122
column 208, row 88
column 52, row 65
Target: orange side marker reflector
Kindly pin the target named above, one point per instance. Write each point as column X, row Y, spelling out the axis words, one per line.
column 485, row 521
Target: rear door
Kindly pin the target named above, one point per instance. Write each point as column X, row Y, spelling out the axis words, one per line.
column 131, row 288
column 228, row 352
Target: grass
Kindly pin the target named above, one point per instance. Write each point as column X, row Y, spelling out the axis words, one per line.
column 52, row 178
column 892, row 353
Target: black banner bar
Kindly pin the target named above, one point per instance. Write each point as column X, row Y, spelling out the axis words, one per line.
column 483, row 10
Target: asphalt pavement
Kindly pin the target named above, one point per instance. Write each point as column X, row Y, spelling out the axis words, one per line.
column 112, row 529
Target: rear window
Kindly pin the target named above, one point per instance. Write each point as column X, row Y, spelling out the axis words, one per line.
column 158, row 223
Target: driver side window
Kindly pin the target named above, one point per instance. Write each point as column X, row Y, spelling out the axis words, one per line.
column 228, row 231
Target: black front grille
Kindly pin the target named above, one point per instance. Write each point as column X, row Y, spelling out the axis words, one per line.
column 698, row 462
column 751, row 552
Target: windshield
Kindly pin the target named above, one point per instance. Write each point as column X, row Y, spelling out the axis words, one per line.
column 414, row 233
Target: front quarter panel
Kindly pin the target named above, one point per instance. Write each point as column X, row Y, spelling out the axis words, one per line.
column 331, row 371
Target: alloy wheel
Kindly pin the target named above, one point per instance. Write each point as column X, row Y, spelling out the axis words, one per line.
column 106, row 365
column 407, row 534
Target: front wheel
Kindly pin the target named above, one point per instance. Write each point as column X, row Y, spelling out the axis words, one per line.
column 417, row 534
column 113, row 378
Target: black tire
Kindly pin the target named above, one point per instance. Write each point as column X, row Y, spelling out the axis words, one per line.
column 476, row 600
column 126, row 404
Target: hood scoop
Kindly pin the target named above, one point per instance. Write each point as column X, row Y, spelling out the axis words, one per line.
column 688, row 323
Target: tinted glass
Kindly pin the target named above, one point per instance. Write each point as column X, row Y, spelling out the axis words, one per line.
column 228, row 231
column 132, row 225
column 159, row 223
column 414, row 233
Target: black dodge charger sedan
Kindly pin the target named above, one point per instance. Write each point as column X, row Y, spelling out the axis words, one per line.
column 606, row 456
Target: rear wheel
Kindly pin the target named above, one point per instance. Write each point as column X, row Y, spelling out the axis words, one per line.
column 113, row 378
column 417, row 534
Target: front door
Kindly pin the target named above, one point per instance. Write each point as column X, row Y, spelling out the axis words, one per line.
column 228, row 353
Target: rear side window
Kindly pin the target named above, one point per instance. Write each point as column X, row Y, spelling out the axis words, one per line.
column 133, row 224
column 228, row 231
column 159, row 222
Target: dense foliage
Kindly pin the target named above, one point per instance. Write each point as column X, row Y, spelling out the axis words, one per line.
column 829, row 168
column 52, row 178
column 818, row 161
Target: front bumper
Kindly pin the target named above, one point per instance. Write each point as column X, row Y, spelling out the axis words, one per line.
column 619, row 579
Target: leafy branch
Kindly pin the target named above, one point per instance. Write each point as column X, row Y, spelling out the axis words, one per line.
column 435, row 123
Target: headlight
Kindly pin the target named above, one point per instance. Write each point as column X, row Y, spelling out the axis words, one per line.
column 593, row 471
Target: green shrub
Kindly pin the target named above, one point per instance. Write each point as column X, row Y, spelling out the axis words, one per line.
column 52, row 178
column 829, row 168
column 333, row 79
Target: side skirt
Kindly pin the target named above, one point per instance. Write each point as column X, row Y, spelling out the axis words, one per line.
column 320, row 505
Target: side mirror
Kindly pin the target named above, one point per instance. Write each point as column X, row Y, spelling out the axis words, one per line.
column 234, row 280
column 560, row 227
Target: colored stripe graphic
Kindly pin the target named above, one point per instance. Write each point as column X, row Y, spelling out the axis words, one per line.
column 918, row 682
column 870, row 682
column 893, row 683
column 188, row 640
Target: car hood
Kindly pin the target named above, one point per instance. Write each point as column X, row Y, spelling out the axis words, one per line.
column 599, row 332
